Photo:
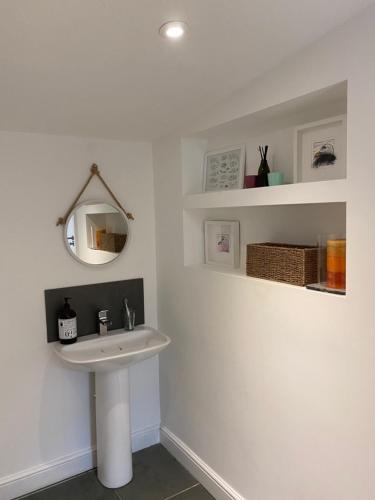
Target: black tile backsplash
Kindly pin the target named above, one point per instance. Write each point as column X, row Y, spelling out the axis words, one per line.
column 87, row 300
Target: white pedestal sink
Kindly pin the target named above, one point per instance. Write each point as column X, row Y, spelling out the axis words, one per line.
column 110, row 357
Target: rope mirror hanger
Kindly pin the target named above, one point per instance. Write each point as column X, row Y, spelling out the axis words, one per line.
column 94, row 171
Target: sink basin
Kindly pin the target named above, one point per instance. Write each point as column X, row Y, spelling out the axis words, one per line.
column 110, row 357
column 119, row 349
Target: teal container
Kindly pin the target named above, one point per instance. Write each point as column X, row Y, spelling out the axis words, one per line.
column 275, row 178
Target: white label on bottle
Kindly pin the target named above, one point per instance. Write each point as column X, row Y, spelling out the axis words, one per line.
column 67, row 328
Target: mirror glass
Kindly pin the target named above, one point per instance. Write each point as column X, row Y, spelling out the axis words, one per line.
column 96, row 233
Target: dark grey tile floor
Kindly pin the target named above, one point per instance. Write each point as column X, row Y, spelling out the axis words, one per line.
column 157, row 476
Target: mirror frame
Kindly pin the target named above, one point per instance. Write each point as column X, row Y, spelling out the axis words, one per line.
column 65, row 233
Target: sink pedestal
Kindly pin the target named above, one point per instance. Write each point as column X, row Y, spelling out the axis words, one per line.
column 114, row 455
column 110, row 356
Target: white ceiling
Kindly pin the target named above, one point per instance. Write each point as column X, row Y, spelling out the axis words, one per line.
column 99, row 68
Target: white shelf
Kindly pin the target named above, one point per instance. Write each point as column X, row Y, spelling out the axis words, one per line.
column 289, row 194
column 241, row 273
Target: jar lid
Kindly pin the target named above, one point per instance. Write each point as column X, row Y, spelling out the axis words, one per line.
column 336, row 243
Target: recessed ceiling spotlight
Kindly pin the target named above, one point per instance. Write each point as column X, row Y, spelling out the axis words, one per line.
column 173, row 29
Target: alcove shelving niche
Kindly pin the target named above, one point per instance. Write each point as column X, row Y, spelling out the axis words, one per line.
column 295, row 212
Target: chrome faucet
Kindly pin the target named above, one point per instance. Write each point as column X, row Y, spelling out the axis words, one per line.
column 104, row 322
column 128, row 315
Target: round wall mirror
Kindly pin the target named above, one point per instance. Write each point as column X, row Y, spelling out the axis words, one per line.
column 96, row 232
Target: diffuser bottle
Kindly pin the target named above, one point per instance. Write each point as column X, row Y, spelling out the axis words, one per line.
column 67, row 323
column 264, row 169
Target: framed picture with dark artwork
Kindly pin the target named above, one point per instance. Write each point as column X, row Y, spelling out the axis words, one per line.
column 222, row 242
column 320, row 150
column 224, row 169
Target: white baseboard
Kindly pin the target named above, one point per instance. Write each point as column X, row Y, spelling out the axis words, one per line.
column 145, row 437
column 48, row 473
column 45, row 474
column 215, row 484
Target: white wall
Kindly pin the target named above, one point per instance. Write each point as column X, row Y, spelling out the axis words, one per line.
column 44, row 407
column 271, row 387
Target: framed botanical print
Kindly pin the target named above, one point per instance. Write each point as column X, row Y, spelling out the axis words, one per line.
column 224, row 169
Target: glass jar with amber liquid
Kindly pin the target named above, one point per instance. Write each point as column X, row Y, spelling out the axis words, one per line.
column 336, row 264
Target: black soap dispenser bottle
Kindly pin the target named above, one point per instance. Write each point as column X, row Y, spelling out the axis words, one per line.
column 67, row 323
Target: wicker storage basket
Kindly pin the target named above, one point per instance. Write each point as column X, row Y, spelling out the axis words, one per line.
column 112, row 242
column 294, row 264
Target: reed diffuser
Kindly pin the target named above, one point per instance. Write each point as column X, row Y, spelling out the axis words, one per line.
column 264, row 169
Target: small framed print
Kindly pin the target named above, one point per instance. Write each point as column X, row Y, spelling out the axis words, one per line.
column 222, row 242
column 224, row 169
column 320, row 150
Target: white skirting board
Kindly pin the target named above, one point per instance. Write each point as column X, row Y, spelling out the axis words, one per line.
column 215, row 484
column 48, row 473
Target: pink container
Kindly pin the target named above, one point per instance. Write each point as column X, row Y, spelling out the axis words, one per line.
column 250, row 181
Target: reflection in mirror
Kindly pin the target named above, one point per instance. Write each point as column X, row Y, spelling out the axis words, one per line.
column 96, row 233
